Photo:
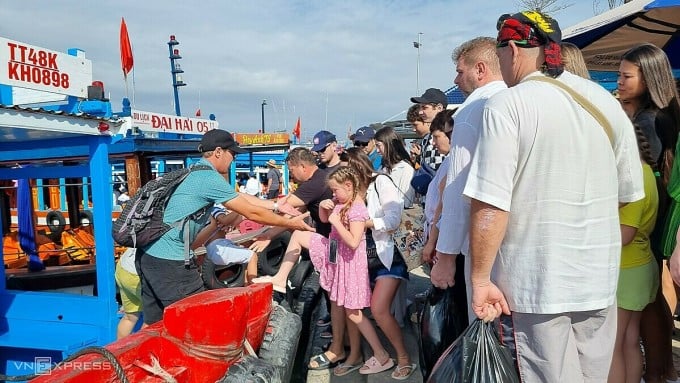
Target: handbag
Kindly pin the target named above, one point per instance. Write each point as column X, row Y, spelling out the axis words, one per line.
column 374, row 262
column 422, row 178
column 409, row 237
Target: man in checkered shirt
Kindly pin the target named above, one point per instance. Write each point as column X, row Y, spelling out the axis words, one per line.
column 430, row 103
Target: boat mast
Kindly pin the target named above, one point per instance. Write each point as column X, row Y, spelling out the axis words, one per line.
column 175, row 70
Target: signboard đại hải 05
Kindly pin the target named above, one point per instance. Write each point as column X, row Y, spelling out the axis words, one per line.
column 150, row 122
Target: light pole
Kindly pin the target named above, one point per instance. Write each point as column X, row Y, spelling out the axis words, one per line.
column 264, row 102
column 417, row 45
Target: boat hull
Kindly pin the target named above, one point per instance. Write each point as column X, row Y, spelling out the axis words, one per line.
column 197, row 340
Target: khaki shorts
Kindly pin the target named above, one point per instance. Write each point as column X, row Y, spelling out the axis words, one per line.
column 130, row 289
column 566, row 347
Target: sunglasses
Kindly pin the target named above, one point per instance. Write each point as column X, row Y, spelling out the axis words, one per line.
column 359, row 143
column 324, row 149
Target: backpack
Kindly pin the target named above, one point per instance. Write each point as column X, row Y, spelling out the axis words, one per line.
column 141, row 221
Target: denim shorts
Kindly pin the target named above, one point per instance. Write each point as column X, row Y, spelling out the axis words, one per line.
column 398, row 270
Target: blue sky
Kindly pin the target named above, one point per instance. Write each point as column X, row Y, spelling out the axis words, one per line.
column 333, row 63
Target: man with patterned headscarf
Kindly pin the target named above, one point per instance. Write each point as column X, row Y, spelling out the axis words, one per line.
column 545, row 184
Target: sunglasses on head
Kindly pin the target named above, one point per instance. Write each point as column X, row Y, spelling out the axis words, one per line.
column 360, row 143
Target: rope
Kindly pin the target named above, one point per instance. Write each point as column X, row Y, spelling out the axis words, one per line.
column 155, row 369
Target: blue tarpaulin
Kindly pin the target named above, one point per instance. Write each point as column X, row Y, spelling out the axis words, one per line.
column 26, row 229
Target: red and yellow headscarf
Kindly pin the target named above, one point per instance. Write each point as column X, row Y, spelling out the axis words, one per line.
column 533, row 29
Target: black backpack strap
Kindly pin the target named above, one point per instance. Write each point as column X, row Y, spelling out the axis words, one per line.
column 183, row 224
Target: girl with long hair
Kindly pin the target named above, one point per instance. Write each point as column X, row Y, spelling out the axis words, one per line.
column 639, row 277
column 648, row 95
column 396, row 162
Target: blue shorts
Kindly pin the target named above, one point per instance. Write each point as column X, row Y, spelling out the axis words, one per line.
column 398, row 270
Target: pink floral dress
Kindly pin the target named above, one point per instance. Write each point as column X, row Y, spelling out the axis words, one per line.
column 346, row 281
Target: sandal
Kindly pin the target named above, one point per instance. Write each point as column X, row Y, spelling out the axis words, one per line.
column 323, row 362
column 345, row 368
column 403, row 372
column 373, row 366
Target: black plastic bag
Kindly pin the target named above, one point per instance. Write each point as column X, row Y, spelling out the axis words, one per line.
column 442, row 319
column 476, row 357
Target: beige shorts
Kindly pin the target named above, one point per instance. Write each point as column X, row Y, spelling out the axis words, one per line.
column 566, row 347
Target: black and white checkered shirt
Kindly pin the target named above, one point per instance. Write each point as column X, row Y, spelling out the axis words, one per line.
column 428, row 154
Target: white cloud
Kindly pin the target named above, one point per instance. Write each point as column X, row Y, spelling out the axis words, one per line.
column 236, row 53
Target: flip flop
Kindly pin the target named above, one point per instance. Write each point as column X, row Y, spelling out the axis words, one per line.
column 373, row 366
column 323, row 363
column 346, row 368
column 397, row 373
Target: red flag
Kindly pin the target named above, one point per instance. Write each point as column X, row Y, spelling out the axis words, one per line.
column 198, row 112
column 296, row 130
column 126, row 59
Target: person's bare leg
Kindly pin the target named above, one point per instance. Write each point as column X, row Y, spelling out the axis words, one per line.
column 656, row 338
column 251, row 269
column 668, row 288
column 631, row 348
column 617, row 369
column 298, row 241
column 355, row 355
column 336, row 350
column 126, row 325
column 368, row 331
column 381, row 300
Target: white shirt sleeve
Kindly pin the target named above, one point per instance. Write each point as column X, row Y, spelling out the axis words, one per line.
column 454, row 224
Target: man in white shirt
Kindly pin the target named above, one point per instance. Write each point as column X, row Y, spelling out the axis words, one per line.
column 546, row 181
column 252, row 185
column 478, row 77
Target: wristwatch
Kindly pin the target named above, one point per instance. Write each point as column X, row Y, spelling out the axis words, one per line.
column 276, row 207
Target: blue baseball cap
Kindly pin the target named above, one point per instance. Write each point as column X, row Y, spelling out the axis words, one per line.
column 364, row 134
column 322, row 139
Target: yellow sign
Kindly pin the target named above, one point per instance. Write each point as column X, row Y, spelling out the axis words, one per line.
column 262, row 138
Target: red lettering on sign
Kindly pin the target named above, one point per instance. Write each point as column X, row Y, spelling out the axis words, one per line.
column 11, row 46
column 35, row 66
column 12, row 71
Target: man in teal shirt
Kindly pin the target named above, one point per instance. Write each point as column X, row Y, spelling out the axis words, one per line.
column 363, row 138
column 164, row 275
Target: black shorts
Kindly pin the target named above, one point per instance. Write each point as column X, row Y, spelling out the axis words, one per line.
column 165, row 282
column 273, row 194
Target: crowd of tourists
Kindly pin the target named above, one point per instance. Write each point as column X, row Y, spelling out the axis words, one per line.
column 552, row 202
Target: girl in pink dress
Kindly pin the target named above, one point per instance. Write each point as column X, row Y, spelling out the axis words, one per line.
column 343, row 274
column 347, row 279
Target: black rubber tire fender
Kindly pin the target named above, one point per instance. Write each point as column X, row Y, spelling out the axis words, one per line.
column 250, row 369
column 307, row 307
column 86, row 218
column 280, row 342
column 297, row 277
column 269, row 260
column 55, row 221
column 209, row 274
